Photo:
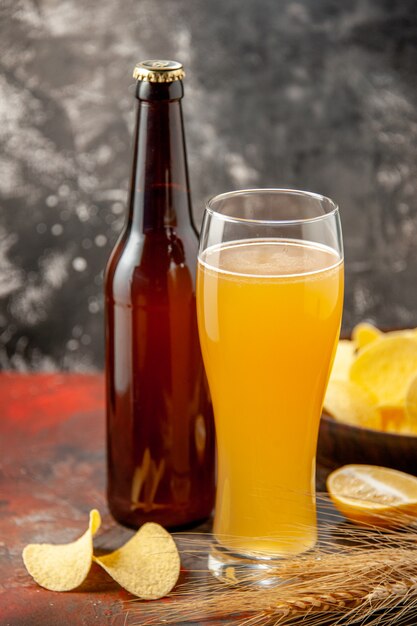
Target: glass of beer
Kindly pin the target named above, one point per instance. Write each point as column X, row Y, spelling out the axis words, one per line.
column 269, row 298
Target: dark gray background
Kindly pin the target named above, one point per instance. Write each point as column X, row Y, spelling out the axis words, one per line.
column 313, row 94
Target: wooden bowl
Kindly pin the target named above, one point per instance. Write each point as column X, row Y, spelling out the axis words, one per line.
column 340, row 444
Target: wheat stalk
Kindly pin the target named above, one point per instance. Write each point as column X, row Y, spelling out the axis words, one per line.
column 355, row 574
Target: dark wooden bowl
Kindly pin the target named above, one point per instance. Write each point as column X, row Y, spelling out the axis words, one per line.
column 340, row 444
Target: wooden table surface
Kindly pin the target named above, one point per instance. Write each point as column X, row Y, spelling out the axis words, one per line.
column 52, row 472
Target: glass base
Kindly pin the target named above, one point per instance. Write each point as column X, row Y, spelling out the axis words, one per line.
column 244, row 569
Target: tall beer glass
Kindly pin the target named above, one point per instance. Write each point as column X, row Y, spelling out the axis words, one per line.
column 269, row 297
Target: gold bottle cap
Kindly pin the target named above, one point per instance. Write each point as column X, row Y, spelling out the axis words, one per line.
column 156, row 71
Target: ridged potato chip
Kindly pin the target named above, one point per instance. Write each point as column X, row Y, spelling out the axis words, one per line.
column 62, row 567
column 385, row 369
column 345, row 354
column 148, row 565
column 364, row 333
column 347, row 402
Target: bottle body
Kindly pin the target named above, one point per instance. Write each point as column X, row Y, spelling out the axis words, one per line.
column 160, row 433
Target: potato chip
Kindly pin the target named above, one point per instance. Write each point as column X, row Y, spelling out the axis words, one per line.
column 343, row 360
column 406, row 332
column 148, row 565
column 392, row 418
column 349, row 403
column 385, row 368
column 364, row 333
column 62, row 567
column 409, row 425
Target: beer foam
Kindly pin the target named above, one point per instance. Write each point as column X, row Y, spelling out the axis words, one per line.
column 271, row 257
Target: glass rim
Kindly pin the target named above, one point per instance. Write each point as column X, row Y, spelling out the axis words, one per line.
column 334, row 208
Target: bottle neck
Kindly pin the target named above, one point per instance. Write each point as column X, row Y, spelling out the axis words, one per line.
column 159, row 193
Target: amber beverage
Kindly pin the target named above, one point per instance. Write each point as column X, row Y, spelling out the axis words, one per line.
column 268, row 308
column 160, row 434
column 270, row 296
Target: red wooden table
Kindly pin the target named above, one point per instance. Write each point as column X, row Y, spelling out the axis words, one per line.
column 51, row 475
column 52, row 472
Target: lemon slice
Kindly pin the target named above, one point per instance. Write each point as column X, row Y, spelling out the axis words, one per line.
column 368, row 494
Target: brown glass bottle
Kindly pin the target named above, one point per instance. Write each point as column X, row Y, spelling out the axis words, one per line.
column 160, row 433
